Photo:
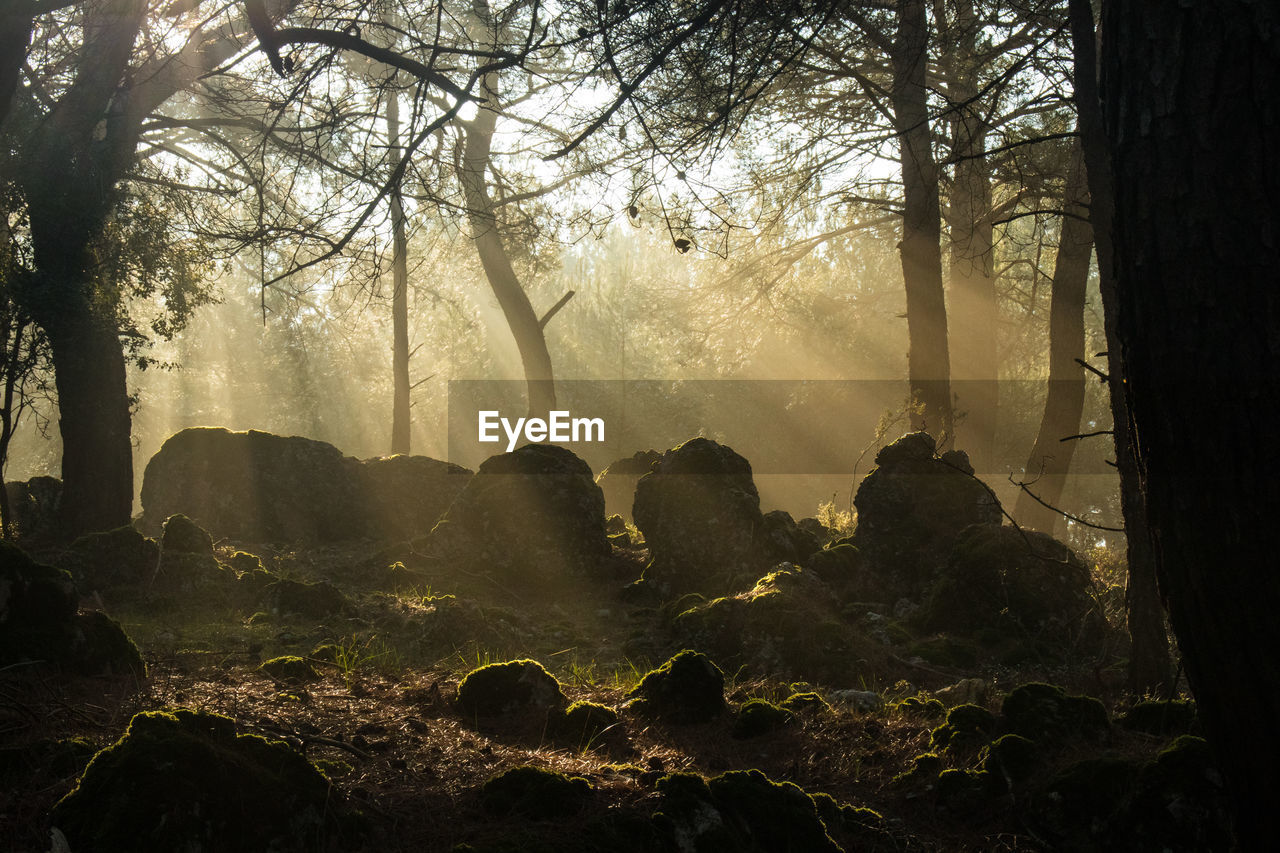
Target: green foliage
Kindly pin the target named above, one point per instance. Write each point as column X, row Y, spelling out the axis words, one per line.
column 586, row 725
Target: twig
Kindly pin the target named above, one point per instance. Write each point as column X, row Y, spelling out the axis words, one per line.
column 1088, row 434
column 1061, row 512
column 1089, row 367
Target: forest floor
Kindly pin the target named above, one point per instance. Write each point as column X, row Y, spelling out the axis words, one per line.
column 383, row 723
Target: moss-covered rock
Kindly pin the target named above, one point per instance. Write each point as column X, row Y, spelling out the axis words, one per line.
column 535, row 792
column 1181, row 801
column 509, row 687
column 911, row 509
column 618, row 482
column 967, row 727
column 1013, row 758
column 533, row 517
column 185, row 780
column 181, row 534
column 122, row 557
column 926, row 709
column 290, row 669
column 586, row 725
column 699, row 512
column 760, row 717
column 787, row 624
column 968, row 793
column 688, row 688
column 314, row 600
column 1019, row 592
column 242, row 562
column 35, row 507
column 740, row 810
column 1175, row 717
column 806, row 701
column 1043, row 712
column 258, row 487
column 39, row 621
column 921, row 776
column 785, row 541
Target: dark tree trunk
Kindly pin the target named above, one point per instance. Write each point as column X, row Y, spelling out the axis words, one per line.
column 93, row 419
column 928, row 365
column 972, row 311
column 1050, row 460
column 1150, row 668
column 513, row 300
column 1192, row 112
column 400, row 410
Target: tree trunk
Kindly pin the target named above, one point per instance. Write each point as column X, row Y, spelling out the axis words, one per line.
column 1046, row 472
column 400, row 416
column 928, row 365
column 93, row 419
column 15, row 36
column 513, row 300
column 1192, row 121
column 1150, row 667
column 972, row 311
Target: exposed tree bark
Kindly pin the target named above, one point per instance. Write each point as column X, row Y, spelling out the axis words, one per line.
column 1150, row 667
column 400, row 409
column 1050, row 460
column 928, row 364
column 972, row 315
column 516, row 307
column 1192, row 113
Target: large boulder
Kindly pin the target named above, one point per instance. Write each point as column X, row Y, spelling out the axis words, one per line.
column 1017, row 591
column 618, row 480
column 912, row 508
column 34, row 506
column 531, row 516
column 255, row 486
column 700, row 514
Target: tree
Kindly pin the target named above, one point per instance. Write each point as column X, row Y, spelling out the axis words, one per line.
column 1149, row 664
column 928, row 359
column 1050, row 459
column 1192, row 126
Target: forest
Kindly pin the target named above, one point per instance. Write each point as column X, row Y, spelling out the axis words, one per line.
column 625, row 425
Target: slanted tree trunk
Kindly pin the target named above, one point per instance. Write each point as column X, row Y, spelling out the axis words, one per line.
column 1191, row 94
column 1050, row 460
column 16, row 21
column 400, row 409
column 972, row 315
column 928, row 365
column 513, row 300
column 1150, row 667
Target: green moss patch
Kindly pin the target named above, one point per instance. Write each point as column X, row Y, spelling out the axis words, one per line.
column 290, row 669
column 967, row 727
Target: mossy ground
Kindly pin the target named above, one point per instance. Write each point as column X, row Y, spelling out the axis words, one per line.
column 383, row 722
